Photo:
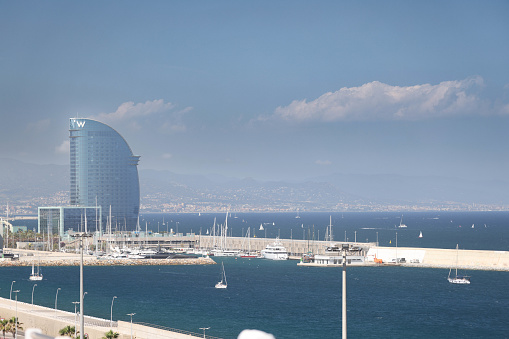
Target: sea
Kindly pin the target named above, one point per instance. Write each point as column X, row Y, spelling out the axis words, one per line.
column 290, row 301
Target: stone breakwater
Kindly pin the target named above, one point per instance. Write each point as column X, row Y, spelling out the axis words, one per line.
column 112, row 262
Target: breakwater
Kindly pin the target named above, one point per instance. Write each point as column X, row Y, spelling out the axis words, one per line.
column 443, row 258
column 111, row 262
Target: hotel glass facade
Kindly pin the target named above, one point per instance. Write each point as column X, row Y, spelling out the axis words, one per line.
column 104, row 172
column 58, row 219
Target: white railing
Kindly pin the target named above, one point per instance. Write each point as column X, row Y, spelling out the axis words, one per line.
column 35, row 333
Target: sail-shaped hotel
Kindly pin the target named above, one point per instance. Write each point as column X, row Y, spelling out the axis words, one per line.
column 104, row 171
column 103, row 176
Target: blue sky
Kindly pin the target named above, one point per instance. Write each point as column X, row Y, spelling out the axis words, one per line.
column 271, row 90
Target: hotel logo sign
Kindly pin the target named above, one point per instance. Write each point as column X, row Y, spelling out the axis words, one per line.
column 75, row 123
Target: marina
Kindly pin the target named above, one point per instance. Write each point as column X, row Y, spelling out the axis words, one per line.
column 304, row 300
column 184, row 296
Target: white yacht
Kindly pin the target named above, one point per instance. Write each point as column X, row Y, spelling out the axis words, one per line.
column 457, row 279
column 275, row 251
column 222, row 283
column 35, row 276
column 224, row 253
column 401, row 225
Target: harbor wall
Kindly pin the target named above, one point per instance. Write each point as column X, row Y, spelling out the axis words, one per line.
column 296, row 247
column 444, row 258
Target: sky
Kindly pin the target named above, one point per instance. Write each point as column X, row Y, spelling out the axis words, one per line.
column 270, row 90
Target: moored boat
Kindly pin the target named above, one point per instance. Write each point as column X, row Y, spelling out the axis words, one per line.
column 275, row 251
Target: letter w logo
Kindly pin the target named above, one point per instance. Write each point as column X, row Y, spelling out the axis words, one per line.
column 80, row 124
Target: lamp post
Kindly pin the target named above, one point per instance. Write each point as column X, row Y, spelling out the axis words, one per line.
column 204, row 328
column 345, row 247
column 33, row 288
column 111, row 312
column 10, row 294
column 131, row 314
column 56, row 297
column 16, row 320
column 75, row 303
column 82, row 316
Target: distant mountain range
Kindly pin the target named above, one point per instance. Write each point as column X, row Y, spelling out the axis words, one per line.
column 25, row 182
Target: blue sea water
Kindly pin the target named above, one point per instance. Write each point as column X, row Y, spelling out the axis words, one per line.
column 301, row 302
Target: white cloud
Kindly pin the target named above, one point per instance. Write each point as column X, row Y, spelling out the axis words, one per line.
column 150, row 114
column 166, row 156
column 129, row 110
column 63, row 148
column 379, row 101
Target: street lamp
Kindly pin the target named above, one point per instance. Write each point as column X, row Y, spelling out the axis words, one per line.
column 75, row 303
column 82, row 316
column 344, row 247
column 33, row 288
column 16, row 322
column 111, row 312
column 56, row 297
column 131, row 314
column 10, row 295
column 204, row 328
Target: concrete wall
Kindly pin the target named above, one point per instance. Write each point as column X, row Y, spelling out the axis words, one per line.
column 51, row 322
column 445, row 258
column 293, row 246
column 145, row 332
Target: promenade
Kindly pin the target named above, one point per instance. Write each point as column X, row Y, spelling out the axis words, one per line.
column 50, row 321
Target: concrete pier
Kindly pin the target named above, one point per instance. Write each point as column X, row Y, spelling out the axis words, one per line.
column 443, row 258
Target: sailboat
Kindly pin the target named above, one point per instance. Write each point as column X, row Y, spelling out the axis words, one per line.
column 457, row 279
column 35, row 276
column 401, row 225
column 420, row 234
column 222, row 283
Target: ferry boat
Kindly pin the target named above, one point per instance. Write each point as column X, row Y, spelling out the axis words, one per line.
column 333, row 257
column 275, row 251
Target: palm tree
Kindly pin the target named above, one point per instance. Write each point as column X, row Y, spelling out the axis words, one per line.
column 4, row 326
column 110, row 335
column 13, row 324
column 68, row 331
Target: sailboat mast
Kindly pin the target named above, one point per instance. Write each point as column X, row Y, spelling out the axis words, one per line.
column 226, row 231
column 457, row 259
